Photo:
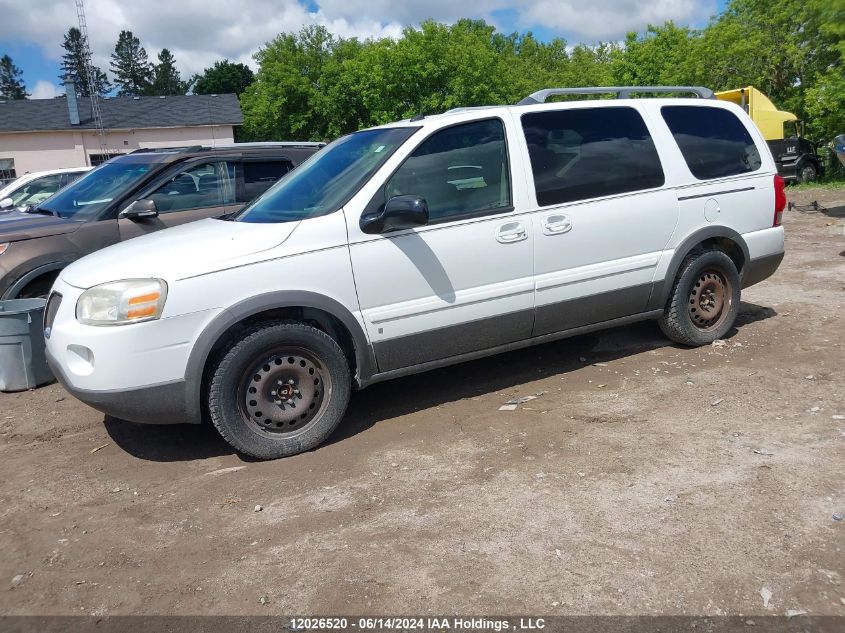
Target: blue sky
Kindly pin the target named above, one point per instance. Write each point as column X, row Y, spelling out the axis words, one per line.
column 199, row 32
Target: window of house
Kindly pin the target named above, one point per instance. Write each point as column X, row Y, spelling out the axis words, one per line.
column 590, row 152
column 713, row 141
column 460, row 171
column 7, row 171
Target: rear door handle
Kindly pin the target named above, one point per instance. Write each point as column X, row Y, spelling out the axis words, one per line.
column 556, row 224
column 511, row 232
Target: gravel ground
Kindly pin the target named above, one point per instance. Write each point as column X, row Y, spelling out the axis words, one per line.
column 645, row 478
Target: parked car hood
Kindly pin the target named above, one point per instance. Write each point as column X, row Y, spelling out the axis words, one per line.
column 16, row 225
column 176, row 253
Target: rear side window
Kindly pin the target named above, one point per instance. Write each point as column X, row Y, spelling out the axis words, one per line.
column 259, row 176
column 590, row 152
column 714, row 141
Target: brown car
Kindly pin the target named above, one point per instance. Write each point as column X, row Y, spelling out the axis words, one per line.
column 131, row 195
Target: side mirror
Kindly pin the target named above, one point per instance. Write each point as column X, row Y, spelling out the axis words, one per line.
column 6, row 203
column 140, row 209
column 400, row 212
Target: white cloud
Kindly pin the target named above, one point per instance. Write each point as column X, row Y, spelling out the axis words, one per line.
column 199, row 32
column 46, row 90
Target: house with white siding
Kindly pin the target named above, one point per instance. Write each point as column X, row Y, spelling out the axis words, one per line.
column 40, row 134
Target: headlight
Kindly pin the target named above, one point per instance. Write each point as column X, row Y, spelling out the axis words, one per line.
column 3, row 247
column 122, row 302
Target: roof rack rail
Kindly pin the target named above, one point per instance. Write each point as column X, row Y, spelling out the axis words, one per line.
column 621, row 92
column 167, row 150
column 259, row 144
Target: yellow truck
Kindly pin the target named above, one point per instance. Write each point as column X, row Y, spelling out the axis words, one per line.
column 795, row 156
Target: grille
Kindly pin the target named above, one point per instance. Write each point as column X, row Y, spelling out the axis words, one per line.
column 53, row 304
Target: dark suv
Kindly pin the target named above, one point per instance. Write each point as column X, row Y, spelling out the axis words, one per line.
column 131, row 195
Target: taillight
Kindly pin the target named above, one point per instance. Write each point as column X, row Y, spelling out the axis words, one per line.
column 780, row 199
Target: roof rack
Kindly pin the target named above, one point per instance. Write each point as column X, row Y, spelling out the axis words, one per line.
column 270, row 144
column 621, row 92
column 229, row 146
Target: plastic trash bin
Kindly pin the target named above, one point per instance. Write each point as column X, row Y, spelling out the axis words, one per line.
column 22, row 361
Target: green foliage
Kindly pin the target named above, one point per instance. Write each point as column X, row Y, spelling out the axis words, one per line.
column 824, row 99
column 165, row 78
column 132, row 70
column 314, row 86
column 11, row 80
column 659, row 57
column 224, row 77
column 76, row 63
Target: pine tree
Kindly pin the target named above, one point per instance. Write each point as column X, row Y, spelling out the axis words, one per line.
column 76, row 62
column 131, row 68
column 11, row 80
column 166, row 79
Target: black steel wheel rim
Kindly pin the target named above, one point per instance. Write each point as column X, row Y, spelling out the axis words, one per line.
column 710, row 299
column 282, row 392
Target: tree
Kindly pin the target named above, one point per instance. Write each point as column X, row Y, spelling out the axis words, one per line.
column 658, row 57
column 166, row 79
column 131, row 68
column 76, row 62
column 223, row 78
column 11, row 80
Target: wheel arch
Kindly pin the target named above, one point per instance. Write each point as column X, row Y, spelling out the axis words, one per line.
column 27, row 278
column 708, row 238
column 323, row 312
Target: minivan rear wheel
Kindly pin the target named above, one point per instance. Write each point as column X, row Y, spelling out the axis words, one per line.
column 280, row 389
column 704, row 300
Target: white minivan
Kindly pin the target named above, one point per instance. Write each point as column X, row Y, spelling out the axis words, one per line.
column 422, row 243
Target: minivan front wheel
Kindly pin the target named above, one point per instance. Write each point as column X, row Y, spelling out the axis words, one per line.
column 704, row 300
column 280, row 389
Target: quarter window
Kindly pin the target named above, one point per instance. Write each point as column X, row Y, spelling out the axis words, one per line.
column 590, row 152
column 461, row 171
column 713, row 141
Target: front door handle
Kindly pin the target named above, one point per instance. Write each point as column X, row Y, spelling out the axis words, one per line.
column 556, row 224
column 511, row 232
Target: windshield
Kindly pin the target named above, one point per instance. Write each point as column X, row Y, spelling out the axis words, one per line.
column 36, row 191
column 90, row 194
column 327, row 180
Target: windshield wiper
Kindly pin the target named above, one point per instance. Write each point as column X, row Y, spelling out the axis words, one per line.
column 40, row 211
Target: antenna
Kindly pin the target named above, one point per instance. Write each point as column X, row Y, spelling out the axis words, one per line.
column 89, row 76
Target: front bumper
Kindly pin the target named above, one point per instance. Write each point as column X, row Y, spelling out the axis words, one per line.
column 154, row 404
column 135, row 372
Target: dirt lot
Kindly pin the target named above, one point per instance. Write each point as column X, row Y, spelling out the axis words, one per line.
column 646, row 478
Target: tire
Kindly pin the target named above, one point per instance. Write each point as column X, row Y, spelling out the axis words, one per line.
column 280, row 389
column 807, row 172
column 704, row 300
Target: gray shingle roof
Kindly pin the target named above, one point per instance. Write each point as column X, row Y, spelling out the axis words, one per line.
column 28, row 115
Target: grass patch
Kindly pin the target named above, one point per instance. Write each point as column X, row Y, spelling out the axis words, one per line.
column 829, row 185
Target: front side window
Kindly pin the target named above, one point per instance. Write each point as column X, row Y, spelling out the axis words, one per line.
column 590, row 152
column 460, row 171
column 715, row 143
column 195, row 187
column 36, row 191
column 328, row 179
